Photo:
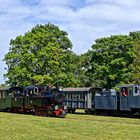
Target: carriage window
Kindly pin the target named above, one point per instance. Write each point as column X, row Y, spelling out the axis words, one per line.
column 77, row 97
column 136, row 90
column 69, row 96
column 124, row 91
column 13, row 93
column 81, row 96
column 73, row 96
column 4, row 94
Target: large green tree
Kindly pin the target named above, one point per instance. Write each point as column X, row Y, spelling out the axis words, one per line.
column 136, row 63
column 112, row 60
column 42, row 56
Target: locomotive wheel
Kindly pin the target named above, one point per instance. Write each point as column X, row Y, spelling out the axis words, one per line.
column 50, row 113
column 40, row 113
column 37, row 112
column 14, row 110
column 69, row 110
column 43, row 113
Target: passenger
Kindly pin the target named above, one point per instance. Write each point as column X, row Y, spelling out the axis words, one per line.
column 124, row 92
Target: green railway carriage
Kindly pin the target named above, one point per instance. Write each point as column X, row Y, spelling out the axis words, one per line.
column 10, row 98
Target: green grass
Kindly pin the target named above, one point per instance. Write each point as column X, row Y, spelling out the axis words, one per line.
column 73, row 127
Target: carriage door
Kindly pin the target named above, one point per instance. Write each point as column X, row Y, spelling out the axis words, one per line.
column 8, row 99
column 93, row 92
column 88, row 99
column 26, row 98
column 135, row 99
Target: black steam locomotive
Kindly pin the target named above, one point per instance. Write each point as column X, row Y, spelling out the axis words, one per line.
column 41, row 100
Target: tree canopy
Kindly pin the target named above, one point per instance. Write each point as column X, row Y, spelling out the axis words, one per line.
column 41, row 56
column 112, row 60
column 44, row 56
column 136, row 63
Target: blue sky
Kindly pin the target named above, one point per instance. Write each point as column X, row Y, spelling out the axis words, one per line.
column 84, row 20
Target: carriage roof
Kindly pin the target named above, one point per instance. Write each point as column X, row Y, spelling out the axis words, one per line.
column 9, row 88
column 82, row 89
column 4, row 88
column 128, row 85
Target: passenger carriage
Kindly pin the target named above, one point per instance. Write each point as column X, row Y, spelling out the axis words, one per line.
column 11, row 98
column 80, row 98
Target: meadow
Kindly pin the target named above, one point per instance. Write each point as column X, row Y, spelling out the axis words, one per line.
column 77, row 126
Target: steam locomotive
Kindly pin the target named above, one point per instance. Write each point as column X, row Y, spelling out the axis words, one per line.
column 40, row 100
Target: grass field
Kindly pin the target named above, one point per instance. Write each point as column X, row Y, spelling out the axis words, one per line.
column 73, row 127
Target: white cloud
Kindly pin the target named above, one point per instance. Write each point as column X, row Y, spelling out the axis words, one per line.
column 83, row 20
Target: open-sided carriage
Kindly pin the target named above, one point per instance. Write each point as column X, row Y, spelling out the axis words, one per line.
column 80, row 98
